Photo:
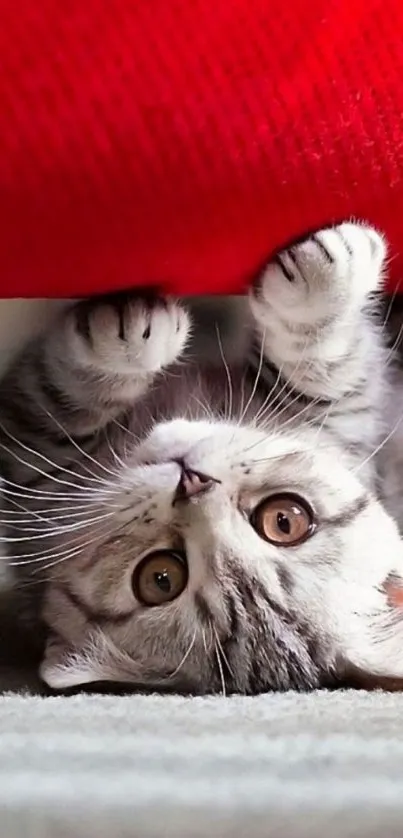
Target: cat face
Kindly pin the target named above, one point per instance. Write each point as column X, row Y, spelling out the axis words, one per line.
column 227, row 558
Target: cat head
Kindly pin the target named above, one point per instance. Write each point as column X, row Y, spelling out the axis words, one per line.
column 226, row 558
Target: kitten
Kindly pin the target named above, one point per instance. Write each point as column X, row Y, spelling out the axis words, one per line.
column 226, row 523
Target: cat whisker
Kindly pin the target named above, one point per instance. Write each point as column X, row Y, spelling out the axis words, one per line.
column 223, row 655
column 289, row 403
column 267, row 403
column 228, row 373
column 56, row 531
column 49, row 476
column 272, row 397
column 380, row 446
column 208, row 413
column 33, row 513
column 46, row 567
column 274, row 457
column 44, row 494
column 65, row 554
column 113, row 452
column 28, row 525
column 49, row 552
column 45, row 459
column 276, row 405
column 125, row 430
column 79, row 510
column 280, row 398
column 184, row 659
column 256, row 382
column 390, row 306
column 395, row 345
column 297, row 416
column 203, row 634
column 79, row 448
column 48, row 519
column 220, row 669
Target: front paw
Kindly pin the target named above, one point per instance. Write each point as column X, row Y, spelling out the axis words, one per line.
column 127, row 333
column 332, row 271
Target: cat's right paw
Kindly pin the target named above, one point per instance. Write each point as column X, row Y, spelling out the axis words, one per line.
column 329, row 272
column 128, row 333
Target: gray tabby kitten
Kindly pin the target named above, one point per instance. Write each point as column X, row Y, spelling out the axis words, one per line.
column 214, row 524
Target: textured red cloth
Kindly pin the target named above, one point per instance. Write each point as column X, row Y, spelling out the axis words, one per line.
column 182, row 141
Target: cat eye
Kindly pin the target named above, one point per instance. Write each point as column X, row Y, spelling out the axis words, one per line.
column 285, row 520
column 160, row 577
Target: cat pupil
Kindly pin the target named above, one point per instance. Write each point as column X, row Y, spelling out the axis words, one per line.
column 163, row 582
column 283, row 523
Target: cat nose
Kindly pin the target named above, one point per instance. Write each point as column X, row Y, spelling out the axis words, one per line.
column 192, row 483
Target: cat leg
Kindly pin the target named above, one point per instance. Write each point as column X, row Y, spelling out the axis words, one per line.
column 99, row 357
column 314, row 310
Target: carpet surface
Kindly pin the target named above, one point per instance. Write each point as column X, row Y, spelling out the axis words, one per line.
column 327, row 764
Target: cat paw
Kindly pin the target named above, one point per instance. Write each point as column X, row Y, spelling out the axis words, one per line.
column 127, row 333
column 332, row 270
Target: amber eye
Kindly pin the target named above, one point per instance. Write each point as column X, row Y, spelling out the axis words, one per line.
column 160, row 577
column 284, row 519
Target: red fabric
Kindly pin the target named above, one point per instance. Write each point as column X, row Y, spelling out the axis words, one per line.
column 173, row 142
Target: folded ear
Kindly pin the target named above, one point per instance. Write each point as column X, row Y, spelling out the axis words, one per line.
column 64, row 667
column 373, row 658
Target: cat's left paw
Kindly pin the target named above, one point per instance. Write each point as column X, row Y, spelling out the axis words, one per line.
column 128, row 333
column 333, row 270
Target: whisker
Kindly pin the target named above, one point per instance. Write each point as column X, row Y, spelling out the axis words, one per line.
column 204, row 641
column 269, row 401
column 45, row 567
column 227, row 370
column 280, row 398
column 57, row 531
column 113, row 452
column 297, row 416
column 395, row 345
column 34, row 513
column 78, row 447
column 49, row 552
column 224, row 657
column 47, row 476
column 390, row 306
column 207, row 412
column 30, row 521
column 80, row 548
column 184, row 659
column 79, row 509
column 256, row 382
column 47, row 460
column 220, row 669
column 46, row 494
column 125, row 430
column 380, row 446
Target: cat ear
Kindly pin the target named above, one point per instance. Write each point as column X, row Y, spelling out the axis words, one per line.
column 64, row 667
column 375, row 657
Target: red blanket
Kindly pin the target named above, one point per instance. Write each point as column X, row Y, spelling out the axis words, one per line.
column 181, row 143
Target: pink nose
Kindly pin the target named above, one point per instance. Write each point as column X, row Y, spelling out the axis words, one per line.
column 192, row 483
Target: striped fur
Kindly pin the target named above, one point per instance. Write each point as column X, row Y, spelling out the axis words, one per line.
column 97, row 418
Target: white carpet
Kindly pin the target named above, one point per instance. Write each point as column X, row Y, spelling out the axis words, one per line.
column 277, row 765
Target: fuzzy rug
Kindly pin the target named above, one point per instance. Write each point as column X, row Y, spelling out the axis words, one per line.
column 298, row 766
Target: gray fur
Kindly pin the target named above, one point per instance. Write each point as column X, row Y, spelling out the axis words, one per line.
column 288, row 394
